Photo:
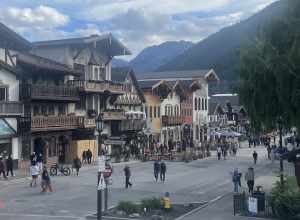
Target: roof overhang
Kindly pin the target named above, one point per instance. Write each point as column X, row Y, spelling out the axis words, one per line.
column 211, row 76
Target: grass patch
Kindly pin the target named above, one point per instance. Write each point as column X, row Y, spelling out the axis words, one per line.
column 128, row 207
column 151, row 204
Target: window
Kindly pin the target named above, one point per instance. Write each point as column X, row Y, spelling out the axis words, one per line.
column 154, row 111
column 171, row 110
column 102, row 73
column 79, row 67
column 199, row 103
column 44, row 110
column 150, row 112
column 202, row 104
column 61, row 109
column 96, row 73
column 158, row 111
column 196, row 107
column 96, row 102
column 146, row 111
column 51, row 110
column 36, row 110
column 205, row 104
column 142, row 109
column 90, row 102
column 3, row 94
column 166, row 110
column 81, row 103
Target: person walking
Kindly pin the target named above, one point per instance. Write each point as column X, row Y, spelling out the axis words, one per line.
column 219, row 152
column 127, row 173
column 46, row 183
column 236, row 179
column 9, row 166
column 34, row 174
column 77, row 164
column 156, row 169
column 83, row 157
column 2, row 168
column 255, row 155
column 89, row 156
column 163, row 170
column 269, row 152
column 249, row 178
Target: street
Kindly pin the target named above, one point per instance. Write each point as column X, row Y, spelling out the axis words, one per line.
column 75, row 197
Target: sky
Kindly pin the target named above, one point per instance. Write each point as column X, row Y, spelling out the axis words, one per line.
column 136, row 23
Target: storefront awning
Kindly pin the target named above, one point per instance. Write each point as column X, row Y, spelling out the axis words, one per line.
column 6, row 130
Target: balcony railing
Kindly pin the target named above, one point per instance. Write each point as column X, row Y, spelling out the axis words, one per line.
column 98, row 86
column 44, row 92
column 133, row 124
column 52, row 123
column 110, row 115
column 172, row 120
column 11, row 109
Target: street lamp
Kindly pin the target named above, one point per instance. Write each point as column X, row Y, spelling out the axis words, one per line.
column 280, row 122
column 99, row 129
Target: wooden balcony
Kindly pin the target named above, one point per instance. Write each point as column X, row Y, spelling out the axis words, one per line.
column 54, row 123
column 113, row 115
column 133, row 124
column 172, row 120
column 44, row 92
column 11, row 109
column 98, row 86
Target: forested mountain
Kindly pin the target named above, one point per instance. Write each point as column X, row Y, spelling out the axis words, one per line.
column 221, row 50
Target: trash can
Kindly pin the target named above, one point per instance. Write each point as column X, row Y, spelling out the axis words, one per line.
column 261, row 200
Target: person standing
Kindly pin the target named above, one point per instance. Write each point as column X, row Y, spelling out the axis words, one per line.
column 89, row 156
column 77, row 164
column 269, row 152
column 156, row 169
column 219, row 152
column 46, row 183
column 255, row 155
column 127, row 173
column 9, row 166
column 2, row 168
column 83, row 157
column 33, row 158
column 249, row 177
column 236, row 179
column 34, row 174
column 163, row 170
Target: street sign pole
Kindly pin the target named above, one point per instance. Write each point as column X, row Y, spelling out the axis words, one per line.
column 99, row 199
column 105, row 198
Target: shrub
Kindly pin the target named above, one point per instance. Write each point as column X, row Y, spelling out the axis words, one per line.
column 151, row 204
column 128, row 207
column 285, row 201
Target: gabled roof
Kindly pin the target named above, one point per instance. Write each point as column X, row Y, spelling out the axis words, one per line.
column 179, row 75
column 106, row 43
column 11, row 40
column 213, row 108
column 7, row 67
column 120, row 75
column 26, row 59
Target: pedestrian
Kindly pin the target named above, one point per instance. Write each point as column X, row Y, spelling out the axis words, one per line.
column 2, row 168
column 77, row 164
column 269, row 152
column 83, row 157
column 156, row 169
column 255, row 155
column 127, row 173
column 219, row 152
column 39, row 161
column 163, row 170
column 249, row 177
column 236, row 179
column 33, row 158
column 272, row 155
column 9, row 166
column 46, row 182
column 34, row 174
column 89, row 156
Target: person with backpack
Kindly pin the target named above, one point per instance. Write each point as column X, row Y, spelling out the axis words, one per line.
column 9, row 166
column 156, row 169
column 127, row 174
column 236, row 179
column 77, row 164
column 163, row 170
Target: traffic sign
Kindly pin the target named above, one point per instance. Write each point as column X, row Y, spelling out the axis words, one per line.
column 101, row 163
column 102, row 183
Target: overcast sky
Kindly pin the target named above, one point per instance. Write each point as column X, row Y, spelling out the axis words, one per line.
column 137, row 23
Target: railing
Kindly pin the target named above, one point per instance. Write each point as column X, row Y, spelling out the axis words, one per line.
column 44, row 92
column 109, row 115
column 98, row 86
column 172, row 120
column 132, row 124
column 87, row 122
column 11, row 109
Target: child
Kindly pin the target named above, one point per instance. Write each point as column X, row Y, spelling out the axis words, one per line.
column 34, row 174
column 46, row 183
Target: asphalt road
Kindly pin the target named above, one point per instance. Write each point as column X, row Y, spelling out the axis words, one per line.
column 75, row 197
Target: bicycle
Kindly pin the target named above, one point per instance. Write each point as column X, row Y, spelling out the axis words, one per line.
column 65, row 170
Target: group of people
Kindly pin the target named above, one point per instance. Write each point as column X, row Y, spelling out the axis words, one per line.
column 36, row 169
column 223, row 149
column 249, row 178
column 87, row 156
column 6, row 167
column 160, row 169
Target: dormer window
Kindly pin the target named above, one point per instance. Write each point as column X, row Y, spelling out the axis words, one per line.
column 96, row 72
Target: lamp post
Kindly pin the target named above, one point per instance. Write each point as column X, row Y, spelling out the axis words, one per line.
column 99, row 129
column 280, row 122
